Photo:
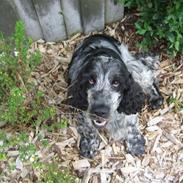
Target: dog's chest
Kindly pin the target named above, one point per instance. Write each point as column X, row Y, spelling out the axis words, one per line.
column 119, row 123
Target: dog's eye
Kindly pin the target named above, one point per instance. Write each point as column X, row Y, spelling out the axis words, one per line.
column 115, row 83
column 92, row 81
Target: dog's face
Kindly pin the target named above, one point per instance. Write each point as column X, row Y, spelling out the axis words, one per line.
column 105, row 80
column 104, row 86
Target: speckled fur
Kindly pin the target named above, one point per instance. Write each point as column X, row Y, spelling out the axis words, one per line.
column 106, row 59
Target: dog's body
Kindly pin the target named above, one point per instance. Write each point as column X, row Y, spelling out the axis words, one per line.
column 111, row 85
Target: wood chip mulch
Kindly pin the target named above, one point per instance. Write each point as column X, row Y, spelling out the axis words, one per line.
column 163, row 128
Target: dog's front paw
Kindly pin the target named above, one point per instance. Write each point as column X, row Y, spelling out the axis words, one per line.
column 156, row 102
column 136, row 146
column 89, row 146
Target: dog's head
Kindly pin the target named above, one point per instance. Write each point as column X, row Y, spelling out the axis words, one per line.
column 103, row 86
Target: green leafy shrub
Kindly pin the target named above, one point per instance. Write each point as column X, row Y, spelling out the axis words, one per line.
column 159, row 22
column 20, row 100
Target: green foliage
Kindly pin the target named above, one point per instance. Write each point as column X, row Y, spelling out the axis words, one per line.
column 28, row 153
column 177, row 102
column 55, row 175
column 22, row 103
column 63, row 123
column 20, row 100
column 159, row 22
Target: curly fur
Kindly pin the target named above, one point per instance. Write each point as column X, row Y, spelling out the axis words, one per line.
column 111, row 85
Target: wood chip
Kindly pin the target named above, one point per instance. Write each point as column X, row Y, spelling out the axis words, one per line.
column 156, row 143
column 19, row 164
column 130, row 169
column 167, row 109
column 12, row 153
column 67, row 142
column 155, row 121
column 173, row 139
column 130, row 158
column 81, row 165
column 152, row 128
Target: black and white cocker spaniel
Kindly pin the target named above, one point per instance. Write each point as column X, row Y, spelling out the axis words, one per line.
column 110, row 86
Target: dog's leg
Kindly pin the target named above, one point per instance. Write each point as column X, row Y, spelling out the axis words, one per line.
column 125, row 127
column 150, row 65
column 135, row 142
column 89, row 139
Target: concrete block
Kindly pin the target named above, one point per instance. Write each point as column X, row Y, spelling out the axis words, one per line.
column 51, row 19
column 27, row 13
column 92, row 13
column 71, row 12
column 113, row 11
column 8, row 18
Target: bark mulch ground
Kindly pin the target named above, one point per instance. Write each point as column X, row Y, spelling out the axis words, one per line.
column 163, row 128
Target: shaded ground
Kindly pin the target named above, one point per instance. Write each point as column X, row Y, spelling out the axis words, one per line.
column 30, row 154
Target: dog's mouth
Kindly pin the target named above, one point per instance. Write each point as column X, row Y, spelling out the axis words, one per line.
column 99, row 122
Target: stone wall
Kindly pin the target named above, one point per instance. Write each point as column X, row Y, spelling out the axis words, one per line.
column 55, row 20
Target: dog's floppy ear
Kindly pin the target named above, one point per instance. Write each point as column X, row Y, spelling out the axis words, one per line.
column 77, row 96
column 133, row 98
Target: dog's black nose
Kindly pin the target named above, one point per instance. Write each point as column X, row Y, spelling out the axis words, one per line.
column 100, row 110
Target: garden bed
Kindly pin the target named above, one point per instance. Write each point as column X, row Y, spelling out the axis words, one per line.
column 49, row 153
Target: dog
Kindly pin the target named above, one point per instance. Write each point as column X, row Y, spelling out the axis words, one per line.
column 110, row 86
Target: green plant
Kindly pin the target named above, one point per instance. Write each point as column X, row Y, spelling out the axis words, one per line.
column 63, row 123
column 159, row 22
column 177, row 102
column 20, row 100
column 54, row 174
column 28, row 152
column 3, row 155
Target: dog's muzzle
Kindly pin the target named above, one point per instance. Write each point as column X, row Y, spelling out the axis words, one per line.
column 99, row 115
column 99, row 122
